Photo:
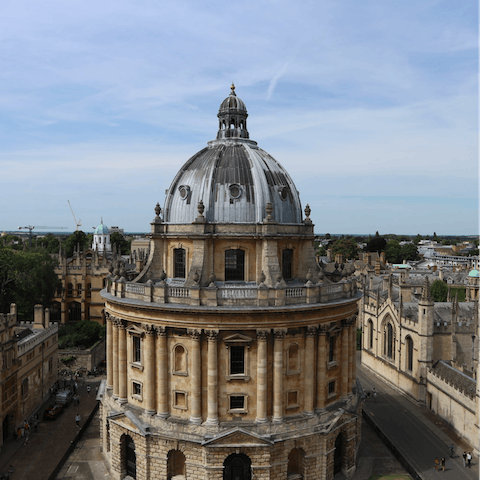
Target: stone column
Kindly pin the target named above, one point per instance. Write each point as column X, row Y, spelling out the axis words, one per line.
column 309, row 375
column 122, row 363
column 115, row 322
column 352, row 354
column 212, row 384
column 278, row 374
column 149, row 362
column 109, row 321
column 196, row 383
column 321, row 368
column 344, row 360
column 163, row 409
column 262, row 376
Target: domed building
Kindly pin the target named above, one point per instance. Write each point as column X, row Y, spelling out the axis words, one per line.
column 232, row 354
column 101, row 239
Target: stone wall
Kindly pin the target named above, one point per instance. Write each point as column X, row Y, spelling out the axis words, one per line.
column 88, row 358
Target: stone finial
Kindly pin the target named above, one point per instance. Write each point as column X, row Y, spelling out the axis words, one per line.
column 211, row 279
column 269, row 210
column 158, row 211
column 196, row 278
column 426, row 290
column 232, row 90
column 278, row 278
column 163, row 276
column 308, row 211
column 201, row 208
column 309, row 275
column 262, row 277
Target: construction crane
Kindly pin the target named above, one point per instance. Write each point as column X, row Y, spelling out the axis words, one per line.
column 31, row 227
column 79, row 223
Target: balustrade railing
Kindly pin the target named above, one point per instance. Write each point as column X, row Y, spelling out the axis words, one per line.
column 178, row 292
column 135, row 288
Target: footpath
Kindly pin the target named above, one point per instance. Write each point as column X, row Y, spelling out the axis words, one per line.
column 53, row 440
column 414, row 433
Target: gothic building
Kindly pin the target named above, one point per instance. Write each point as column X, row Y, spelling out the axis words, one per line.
column 232, row 354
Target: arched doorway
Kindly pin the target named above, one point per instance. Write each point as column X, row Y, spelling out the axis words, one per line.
column 237, row 466
column 129, row 457
column 175, row 464
column 295, row 464
column 337, row 459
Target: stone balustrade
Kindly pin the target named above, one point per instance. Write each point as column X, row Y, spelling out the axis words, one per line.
column 221, row 294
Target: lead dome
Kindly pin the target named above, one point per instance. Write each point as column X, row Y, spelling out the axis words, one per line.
column 233, row 177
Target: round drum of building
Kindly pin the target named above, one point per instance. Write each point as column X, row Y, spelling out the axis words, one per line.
column 231, row 355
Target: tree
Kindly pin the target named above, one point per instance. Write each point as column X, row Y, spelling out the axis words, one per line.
column 347, row 247
column 84, row 333
column 376, row 244
column 76, row 238
column 50, row 242
column 119, row 240
column 417, row 239
column 26, row 278
column 439, row 291
column 409, row 251
column 392, row 251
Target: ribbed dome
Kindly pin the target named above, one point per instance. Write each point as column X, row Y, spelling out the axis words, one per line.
column 101, row 230
column 235, row 180
column 473, row 273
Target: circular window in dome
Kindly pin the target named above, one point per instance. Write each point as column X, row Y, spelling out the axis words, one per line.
column 283, row 192
column 235, row 191
column 184, row 191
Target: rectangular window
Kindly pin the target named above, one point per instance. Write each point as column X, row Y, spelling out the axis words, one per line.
column 237, row 402
column 180, row 399
column 137, row 350
column 331, row 387
column 79, row 289
column 179, row 269
column 237, row 360
column 234, row 265
column 137, row 389
column 331, row 348
column 292, row 399
column 287, row 256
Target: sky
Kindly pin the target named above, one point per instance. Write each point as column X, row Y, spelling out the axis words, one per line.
column 370, row 106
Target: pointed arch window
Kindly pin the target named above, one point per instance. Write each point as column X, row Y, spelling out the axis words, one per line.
column 409, row 343
column 370, row 334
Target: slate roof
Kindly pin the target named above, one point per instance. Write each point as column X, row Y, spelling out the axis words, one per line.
column 453, row 377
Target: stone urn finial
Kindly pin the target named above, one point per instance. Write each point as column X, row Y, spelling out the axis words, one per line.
column 262, row 277
column 196, row 277
column 309, row 275
column 278, row 278
column 211, row 279
column 308, row 211
column 269, row 210
column 163, row 276
column 201, row 208
column 158, row 211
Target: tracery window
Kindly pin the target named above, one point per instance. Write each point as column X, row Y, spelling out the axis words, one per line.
column 388, row 343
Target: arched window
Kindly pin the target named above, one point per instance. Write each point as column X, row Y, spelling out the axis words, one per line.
column 287, row 258
column 175, row 464
column 25, row 387
column 179, row 263
column 234, row 265
column 70, row 290
column 74, row 311
column 293, row 359
column 179, row 360
column 370, row 334
column 389, row 339
column 295, row 463
column 409, row 344
column 79, row 289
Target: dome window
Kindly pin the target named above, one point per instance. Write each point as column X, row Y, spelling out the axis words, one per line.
column 184, row 191
column 235, row 191
column 283, row 192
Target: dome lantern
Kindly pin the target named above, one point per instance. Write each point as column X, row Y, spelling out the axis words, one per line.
column 232, row 117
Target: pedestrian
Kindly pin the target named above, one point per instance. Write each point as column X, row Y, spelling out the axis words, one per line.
column 75, row 386
column 464, row 456
column 443, row 464
column 10, row 469
column 452, row 451
column 374, row 397
column 88, row 390
column 368, row 396
column 19, row 433
column 469, row 459
column 27, row 435
column 77, row 419
column 437, row 463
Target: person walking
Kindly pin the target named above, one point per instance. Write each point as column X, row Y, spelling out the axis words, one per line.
column 464, row 456
column 374, row 397
column 437, row 463
column 88, row 390
column 443, row 464
column 77, row 419
column 452, row 450
column 469, row 459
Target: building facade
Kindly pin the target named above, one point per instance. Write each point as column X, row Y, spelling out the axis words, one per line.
column 29, row 366
column 232, row 354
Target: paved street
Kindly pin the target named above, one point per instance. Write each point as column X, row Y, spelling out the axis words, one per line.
column 39, row 458
column 417, row 434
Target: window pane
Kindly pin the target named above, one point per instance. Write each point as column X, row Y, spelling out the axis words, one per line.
column 237, row 360
column 179, row 263
column 137, row 355
column 287, row 257
column 234, row 265
column 237, row 401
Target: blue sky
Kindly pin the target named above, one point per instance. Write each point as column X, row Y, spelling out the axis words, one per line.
column 371, row 106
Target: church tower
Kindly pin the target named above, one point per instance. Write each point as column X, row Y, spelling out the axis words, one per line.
column 101, row 239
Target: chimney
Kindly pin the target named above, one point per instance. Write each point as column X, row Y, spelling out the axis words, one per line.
column 38, row 317
column 47, row 317
column 339, row 258
column 383, row 259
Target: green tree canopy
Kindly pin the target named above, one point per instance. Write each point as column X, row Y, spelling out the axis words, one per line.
column 347, row 247
column 376, row 244
column 392, row 251
column 439, row 291
column 409, row 251
column 76, row 238
column 26, row 278
column 119, row 240
column 84, row 333
column 50, row 242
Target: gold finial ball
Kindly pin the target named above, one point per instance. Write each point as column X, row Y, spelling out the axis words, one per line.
column 232, row 88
